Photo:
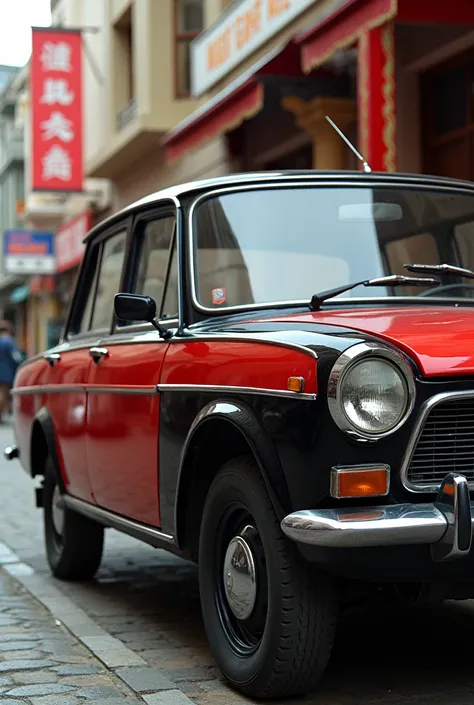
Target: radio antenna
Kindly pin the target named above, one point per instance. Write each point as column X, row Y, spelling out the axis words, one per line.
column 367, row 168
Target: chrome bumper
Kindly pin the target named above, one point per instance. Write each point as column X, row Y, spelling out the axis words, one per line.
column 447, row 524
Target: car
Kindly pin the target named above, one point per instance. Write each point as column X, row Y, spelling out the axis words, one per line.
column 272, row 375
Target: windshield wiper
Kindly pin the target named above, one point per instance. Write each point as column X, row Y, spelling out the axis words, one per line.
column 449, row 269
column 391, row 280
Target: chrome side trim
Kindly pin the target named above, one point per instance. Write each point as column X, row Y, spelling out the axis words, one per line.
column 342, row 366
column 423, row 414
column 140, row 391
column 116, row 520
column 48, row 389
column 64, row 388
column 236, row 390
column 398, row 524
column 190, row 336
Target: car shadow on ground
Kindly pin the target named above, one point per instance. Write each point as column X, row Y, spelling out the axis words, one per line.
column 386, row 653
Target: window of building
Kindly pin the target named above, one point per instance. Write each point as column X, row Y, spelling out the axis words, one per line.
column 448, row 117
column 157, row 271
column 124, row 69
column 189, row 22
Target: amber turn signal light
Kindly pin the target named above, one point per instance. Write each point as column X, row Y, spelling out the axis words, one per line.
column 296, row 384
column 360, row 481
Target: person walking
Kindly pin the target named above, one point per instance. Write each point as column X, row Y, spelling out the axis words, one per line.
column 10, row 358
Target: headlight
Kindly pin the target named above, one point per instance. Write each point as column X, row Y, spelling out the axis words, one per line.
column 371, row 391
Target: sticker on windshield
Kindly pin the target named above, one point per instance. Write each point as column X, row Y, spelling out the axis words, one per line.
column 218, row 296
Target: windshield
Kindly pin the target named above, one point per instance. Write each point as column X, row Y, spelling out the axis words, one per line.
column 285, row 244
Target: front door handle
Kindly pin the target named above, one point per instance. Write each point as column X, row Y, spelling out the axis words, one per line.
column 52, row 358
column 98, row 353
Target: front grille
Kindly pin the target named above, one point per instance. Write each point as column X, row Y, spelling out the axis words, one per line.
column 446, row 444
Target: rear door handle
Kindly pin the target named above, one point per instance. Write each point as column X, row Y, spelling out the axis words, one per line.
column 98, row 353
column 52, row 358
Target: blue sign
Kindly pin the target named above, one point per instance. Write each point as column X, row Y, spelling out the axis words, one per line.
column 28, row 252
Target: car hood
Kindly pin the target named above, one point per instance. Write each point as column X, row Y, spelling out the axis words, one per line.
column 440, row 339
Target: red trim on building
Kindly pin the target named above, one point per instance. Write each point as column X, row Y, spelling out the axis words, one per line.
column 240, row 101
column 376, row 97
column 342, row 29
column 246, row 102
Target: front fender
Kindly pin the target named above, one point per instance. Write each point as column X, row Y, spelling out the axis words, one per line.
column 242, row 418
column 43, row 443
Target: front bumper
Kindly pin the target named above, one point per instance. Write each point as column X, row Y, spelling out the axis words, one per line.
column 447, row 524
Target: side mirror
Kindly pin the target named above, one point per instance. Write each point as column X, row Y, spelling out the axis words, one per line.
column 132, row 307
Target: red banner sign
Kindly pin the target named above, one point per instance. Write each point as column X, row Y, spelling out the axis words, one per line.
column 56, row 110
column 69, row 245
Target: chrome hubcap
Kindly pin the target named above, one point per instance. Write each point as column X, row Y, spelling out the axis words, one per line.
column 240, row 578
column 58, row 511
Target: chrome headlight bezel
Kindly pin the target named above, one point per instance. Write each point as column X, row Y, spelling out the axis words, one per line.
column 355, row 354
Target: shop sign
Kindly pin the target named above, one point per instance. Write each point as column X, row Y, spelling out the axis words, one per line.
column 245, row 27
column 69, row 241
column 28, row 252
column 56, row 110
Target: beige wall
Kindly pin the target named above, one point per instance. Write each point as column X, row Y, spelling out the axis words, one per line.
column 147, row 176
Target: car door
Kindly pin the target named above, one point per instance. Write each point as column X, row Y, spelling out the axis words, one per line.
column 123, row 402
column 65, row 371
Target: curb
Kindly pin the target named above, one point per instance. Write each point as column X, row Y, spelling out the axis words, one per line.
column 112, row 652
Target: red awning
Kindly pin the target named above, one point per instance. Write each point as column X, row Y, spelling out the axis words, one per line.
column 240, row 101
column 342, row 29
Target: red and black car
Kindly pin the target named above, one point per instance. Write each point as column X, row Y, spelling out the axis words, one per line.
column 272, row 375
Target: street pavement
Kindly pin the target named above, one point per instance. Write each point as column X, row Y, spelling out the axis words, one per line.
column 135, row 634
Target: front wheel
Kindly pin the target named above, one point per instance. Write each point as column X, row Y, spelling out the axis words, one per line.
column 270, row 618
column 74, row 543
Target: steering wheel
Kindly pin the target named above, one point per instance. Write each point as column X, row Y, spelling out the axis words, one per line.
column 434, row 291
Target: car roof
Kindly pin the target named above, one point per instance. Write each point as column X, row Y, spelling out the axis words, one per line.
column 273, row 177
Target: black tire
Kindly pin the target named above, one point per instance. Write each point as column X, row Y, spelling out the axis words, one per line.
column 282, row 649
column 75, row 552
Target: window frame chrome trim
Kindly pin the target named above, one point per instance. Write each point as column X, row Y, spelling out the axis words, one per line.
column 346, row 360
column 418, row 428
column 229, row 389
column 298, row 182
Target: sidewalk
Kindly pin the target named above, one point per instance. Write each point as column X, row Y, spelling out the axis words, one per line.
column 41, row 663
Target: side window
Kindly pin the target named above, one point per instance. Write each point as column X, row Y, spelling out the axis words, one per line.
column 82, row 321
column 113, row 251
column 155, row 271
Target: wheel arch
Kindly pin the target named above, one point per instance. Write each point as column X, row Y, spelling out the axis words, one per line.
column 233, row 429
column 43, row 443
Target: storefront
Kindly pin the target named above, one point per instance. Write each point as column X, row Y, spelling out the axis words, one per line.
column 394, row 75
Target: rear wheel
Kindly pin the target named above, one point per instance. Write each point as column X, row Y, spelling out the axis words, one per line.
column 269, row 617
column 74, row 543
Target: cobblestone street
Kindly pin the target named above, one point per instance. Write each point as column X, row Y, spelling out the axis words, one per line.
column 135, row 634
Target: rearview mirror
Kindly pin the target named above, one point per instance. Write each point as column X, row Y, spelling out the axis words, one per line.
column 370, row 212
column 131, row 307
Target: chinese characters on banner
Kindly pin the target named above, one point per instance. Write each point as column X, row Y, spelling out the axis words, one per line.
column 56, row 107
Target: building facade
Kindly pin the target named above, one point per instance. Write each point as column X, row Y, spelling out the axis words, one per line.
column 14, row 290
column 394, row 75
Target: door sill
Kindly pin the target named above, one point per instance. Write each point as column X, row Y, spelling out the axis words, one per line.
column 143, row 532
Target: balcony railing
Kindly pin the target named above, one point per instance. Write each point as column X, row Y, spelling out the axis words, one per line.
column 126, row 115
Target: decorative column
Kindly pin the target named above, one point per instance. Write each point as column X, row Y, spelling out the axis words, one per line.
column 329, row 150
column 376, row 97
